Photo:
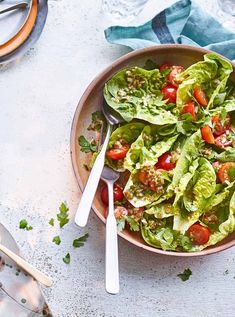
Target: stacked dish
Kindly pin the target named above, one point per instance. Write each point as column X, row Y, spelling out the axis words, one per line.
column 20, row 28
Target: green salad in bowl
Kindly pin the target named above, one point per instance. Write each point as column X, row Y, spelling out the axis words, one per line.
column 175, row 151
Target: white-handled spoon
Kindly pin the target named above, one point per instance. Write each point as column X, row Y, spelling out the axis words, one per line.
column 31, row 270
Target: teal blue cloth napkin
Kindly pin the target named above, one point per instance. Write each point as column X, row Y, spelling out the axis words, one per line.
column 182, row 23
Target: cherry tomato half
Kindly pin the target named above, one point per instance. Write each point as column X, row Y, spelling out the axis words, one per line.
column 171, row 77
column 169, row 92
column 199, row 234
column 218, row 127
column 223, row 171
column 223, row 141
column 165, row 162
column 200, row 96
column 207, row 135
column 118, row 153
column 117, row 194
column 143, row 177
column 190, row 108
column 164, row 66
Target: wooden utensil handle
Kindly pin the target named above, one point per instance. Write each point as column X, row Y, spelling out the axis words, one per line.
column 31, row 270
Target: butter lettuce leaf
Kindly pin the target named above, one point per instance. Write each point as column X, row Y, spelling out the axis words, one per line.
column 228, row 155
column 211, row 74
column 159, row 234
column 146, row 150
column 135, row 93
column 138, row 194
column 161, row 210
column 223, row 72
column 189, row 154
column 196, row 196
column 127, row 133
column 225, row 228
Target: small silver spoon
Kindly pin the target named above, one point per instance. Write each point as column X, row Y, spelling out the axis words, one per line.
column 31, row 270
column 88, row 195
column 109, row 176
column 21, row 5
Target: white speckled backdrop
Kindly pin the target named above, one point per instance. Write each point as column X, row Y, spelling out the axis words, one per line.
column 38, row 97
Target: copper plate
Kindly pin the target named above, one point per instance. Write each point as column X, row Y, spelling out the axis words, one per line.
column 23, row 34
column 92, row 100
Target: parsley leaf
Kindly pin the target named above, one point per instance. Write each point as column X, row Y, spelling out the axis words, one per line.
column 150, row 64
column 24, row 225
column 134, row 225
column 51, row 222
column 166, row 71
column 56, row 240
column 97, row 121
column 63, row 216
column 185, row 275
column 66, row 259
column 120, row 224
column 79, row 242
column 87, row 146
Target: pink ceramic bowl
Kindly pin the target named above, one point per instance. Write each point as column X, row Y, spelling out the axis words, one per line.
column 92, row 101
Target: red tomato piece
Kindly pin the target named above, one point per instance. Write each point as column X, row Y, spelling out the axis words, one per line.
column 199, row 234
column 164, row 66
column 165, row 162
column 171, row 77
column 223, row 171
column 207, row 135
column 169, row 92
column 200, row 96
column 190, row 108
column 218, row 127
column 117, row 194
column 143, row 177
column 118, row 153
column 223, row 141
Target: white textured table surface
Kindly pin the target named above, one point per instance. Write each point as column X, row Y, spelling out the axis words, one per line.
column 38, row 97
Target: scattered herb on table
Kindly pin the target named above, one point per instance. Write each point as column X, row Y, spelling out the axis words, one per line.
column 185, row 275
column 79, row 242
column 87, row 146
column 226, row 272
column 66, row 259
column 51, row 222
column 97, row 121
column 56, row 240
column 24, row 225
column 63, row 216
